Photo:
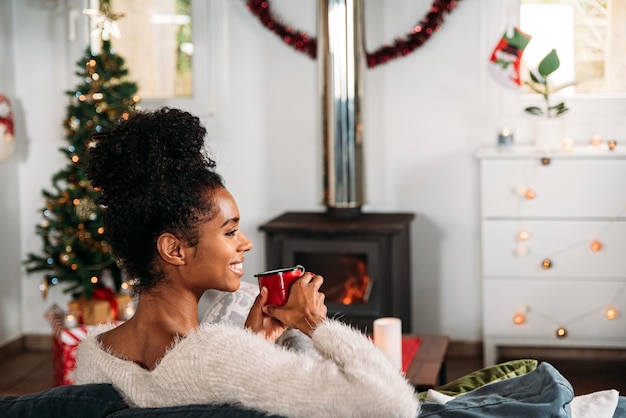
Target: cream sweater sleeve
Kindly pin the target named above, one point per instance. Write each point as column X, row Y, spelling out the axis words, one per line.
column 222, row 363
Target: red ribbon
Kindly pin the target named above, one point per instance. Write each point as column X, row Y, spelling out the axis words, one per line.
column 104, row 293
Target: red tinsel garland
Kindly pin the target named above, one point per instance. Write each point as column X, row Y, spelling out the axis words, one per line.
column 402, row 47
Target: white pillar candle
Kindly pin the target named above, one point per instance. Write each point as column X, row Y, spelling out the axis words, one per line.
column 388, row 338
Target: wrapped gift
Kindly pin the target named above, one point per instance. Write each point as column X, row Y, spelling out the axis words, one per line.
column 104, row 306
column 65, row 341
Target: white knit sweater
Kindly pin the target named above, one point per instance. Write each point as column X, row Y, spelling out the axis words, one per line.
column 221, row 363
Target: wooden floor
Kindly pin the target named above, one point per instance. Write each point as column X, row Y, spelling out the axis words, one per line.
column 28, row 372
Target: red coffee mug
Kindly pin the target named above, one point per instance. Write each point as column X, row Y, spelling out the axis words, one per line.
column 278, row 283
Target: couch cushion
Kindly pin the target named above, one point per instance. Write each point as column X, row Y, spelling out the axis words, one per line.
column 192, row 411
column 94, row 400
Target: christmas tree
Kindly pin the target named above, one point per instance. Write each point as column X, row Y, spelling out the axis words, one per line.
column 75, row 251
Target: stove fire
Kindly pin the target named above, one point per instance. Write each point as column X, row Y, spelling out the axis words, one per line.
column 365, row 261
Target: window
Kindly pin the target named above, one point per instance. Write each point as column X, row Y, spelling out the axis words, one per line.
column 157, row 45
column 588, row 36
column 174, row 51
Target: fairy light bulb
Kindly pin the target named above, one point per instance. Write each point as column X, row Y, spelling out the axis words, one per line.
column 530, row 194
column 561, row 332
column 519, row 190
column 523, row 235
column 519, row 318
column 546, row 264
column 611, row 313
column 596, row 246
column 596, row 140
column 568, row 145
column 521, row 250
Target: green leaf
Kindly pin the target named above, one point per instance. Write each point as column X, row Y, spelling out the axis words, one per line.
column 536, row 77
column 549, row 64
column 534, row 110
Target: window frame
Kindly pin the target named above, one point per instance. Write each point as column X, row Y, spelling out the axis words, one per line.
column 209, row 29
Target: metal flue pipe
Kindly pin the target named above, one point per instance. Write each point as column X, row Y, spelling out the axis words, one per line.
column 341, row 59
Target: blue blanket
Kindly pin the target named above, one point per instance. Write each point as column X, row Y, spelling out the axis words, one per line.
column 543, row 392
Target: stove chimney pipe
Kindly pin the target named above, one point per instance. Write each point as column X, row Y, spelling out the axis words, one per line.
column 341, row 60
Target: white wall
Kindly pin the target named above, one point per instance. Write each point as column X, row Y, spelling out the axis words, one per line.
column 10, row 237
column 425, row 115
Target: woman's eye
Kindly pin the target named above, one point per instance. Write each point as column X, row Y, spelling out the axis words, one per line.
column 232, row 233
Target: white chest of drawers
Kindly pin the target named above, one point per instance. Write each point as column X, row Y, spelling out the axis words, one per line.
column 537, row 258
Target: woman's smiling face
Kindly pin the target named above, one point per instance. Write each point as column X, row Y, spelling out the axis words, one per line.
column 217, row 260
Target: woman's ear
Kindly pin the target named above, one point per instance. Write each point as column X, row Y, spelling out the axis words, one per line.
column 170, row 249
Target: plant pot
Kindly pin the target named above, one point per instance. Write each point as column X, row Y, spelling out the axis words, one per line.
column 549, row 134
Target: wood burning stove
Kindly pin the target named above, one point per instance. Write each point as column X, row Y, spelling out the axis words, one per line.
column 365, row 261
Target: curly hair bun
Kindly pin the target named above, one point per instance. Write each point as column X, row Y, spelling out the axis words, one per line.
column 150, row 148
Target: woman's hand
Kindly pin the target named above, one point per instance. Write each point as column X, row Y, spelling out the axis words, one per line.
column 305, row 308
column 258, row 322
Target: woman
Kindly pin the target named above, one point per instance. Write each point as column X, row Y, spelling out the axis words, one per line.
column 175, row 229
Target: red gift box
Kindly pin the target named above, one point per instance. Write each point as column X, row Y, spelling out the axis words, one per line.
column 65, row 343
column 65, row 346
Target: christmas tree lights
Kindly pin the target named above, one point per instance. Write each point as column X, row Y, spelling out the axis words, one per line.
column 75, row 250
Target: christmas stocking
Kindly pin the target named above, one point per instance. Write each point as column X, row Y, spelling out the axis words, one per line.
column 504, row 63
column 7, row 143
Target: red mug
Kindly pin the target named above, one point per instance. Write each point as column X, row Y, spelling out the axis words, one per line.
column 278, row 283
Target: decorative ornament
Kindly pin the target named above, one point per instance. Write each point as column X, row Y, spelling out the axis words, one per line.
column 43, row 288
column 104, row 21
column 402, row 47
column 85, row 208
column 561, row 332
column 7, row 132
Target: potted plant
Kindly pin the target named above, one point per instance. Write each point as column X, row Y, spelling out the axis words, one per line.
column 549, row 128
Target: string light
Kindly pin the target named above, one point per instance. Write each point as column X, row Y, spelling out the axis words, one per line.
column 519, row 318
column 530, row 194
column 523, row 235
column 561, row 332
column 520, row 190
column 521, row 250
column 596, row 246
column 520, row 315
column 568, row 145
column 596, row 140
column 612, row 144
column 611, row 313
